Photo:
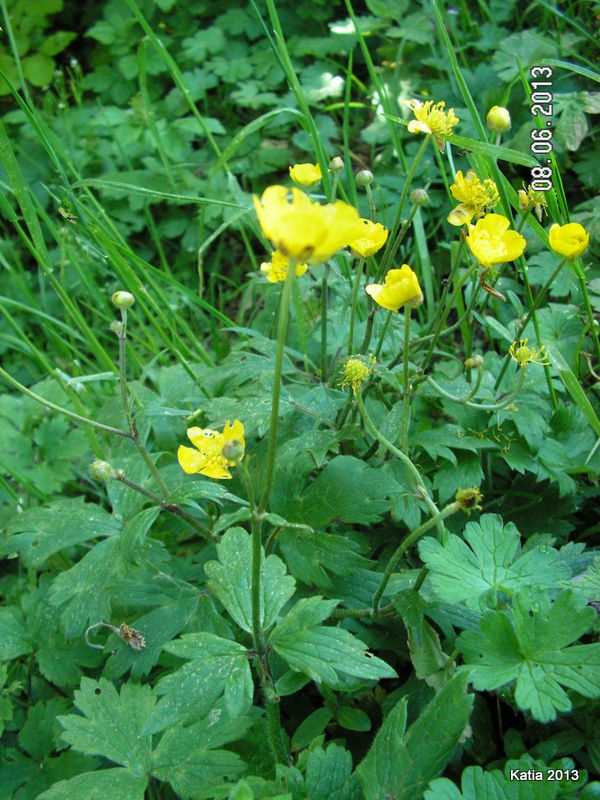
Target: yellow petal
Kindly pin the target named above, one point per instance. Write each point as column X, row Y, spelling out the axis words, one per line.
column 190, row 460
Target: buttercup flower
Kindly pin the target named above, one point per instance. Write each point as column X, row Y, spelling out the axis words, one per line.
column 431, row 118
column 371, row 239
column 207, row 457
column 498, row 119
column 303, row 229
column 400, row 288
column 531, row 199
column 306, row 174
column 569, row 240
column 277, row 268
column 491, row 242
column 524, row 355
column 474, row 196
column 356, row 370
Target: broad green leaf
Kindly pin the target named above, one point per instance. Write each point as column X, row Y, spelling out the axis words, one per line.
column 309, row 553
column 188, row 759
column 158, row 627
column 474, row 570
column 37, row 735
column 401, row 763
column 103, row 784
column 329, row 774
column 217, row 666
column 35, row 535
column 323, row 652
column 530, row 646
column 350, row 490
column 466, row 473
column 493, row 785
column 112, row 723
column 56, row 42
column 38, row 69
column 15, row 640
column 230, row 579
column 353, row 719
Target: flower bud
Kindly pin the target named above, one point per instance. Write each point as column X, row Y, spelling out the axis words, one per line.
column 498, row 119
column 102, row 471
column 474, row 362
column 336, row 164
column 117, row 327
column 469, row 499
column 123, row 299
column 419, row 197
column 233, row 451
column 364, row 177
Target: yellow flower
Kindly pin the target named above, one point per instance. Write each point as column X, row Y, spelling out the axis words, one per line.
column 524, row 355
column 371, row 239
column 400, row 288
column 208, row 458
column 531, row 199
column 305, row 174
column 277, row 268
column 303, row 229
column 498, row 119
column 474, row 196
column 356, row 370
column 491, row 242
column 432, row 119
column 569, row 240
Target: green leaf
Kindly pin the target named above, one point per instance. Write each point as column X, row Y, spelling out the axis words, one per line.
column 309, row 553
column 401, row 763
column 217, row 666
column 38, row 69
column 36, row 736
column 230, row 579
column 353, row 719
column 112, row 723
column 573, row 387
column 529, row 646
column 35, row 535
column 449, row 478
column 323, row 652
column 329, row 774
column 493, row 785
column 188, row 760
column 56, row 42
column 350, row 490
column 520, row 50
column 15, row 640
column 103, row 32
column 311, row 727
column 103, row 784
column 487, row 562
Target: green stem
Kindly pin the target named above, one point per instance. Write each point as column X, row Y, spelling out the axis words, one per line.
column 65, row 412
column 358, row 276
column 452, row 508
column 172, row 508
column 535, row 305
column 397, row 219
column 405, row 383
column 416, row 480
column 386, row 325
column 324, row 323
column 282, row 325
column 122, row 336
column 480, row 406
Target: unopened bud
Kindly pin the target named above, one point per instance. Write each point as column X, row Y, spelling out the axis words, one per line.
column 117, row 327
column 123, row 299
column 102, row 471
column 419, row 197
column 364, row 177
column 474, row 362
column 498, row 119
column 336, row 164
column 233, row 450
column 469, row 500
